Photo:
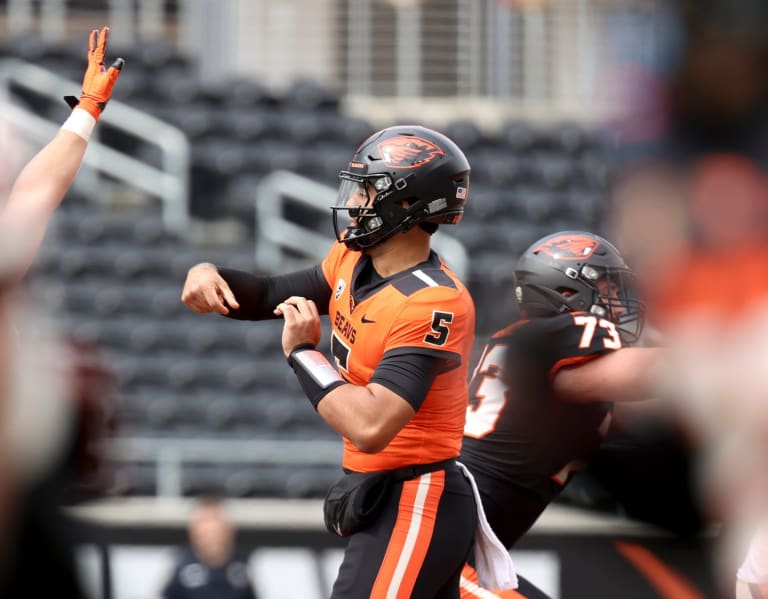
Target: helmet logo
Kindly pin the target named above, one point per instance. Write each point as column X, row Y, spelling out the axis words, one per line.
column 568, row 247
column 407, row 151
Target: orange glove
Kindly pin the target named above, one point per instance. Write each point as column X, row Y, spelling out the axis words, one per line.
column 98, row 81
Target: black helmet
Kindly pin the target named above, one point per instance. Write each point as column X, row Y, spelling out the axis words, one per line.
column 574, row 271
column 400, row 177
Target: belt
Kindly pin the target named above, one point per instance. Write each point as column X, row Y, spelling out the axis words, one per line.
column 408, row 472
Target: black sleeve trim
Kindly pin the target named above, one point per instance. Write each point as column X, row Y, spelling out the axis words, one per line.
column 409, row 373
column 259, row 294
column 448, row 359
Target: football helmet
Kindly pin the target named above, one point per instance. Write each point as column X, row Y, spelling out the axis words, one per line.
column 400, row 177
column 574, row 271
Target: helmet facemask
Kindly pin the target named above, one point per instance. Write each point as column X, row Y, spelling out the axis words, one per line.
column 614, row 297
column 372, row 210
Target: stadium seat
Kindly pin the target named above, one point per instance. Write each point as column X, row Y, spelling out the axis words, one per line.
column 308, row 483
column 249, row 123
column 466, row 134
column 246, row 92
column 134, row 480
column 309, row 96
column 552, row 172
column 519, row 136
column 177, row 87
column 203, row 479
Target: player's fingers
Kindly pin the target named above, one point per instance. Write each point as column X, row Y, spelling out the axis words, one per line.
column 215, row 302
column 115, row 68
column 292, row 300
column 101, row 44
column 289, row 312
column 305, row 307
column 313, row 309
column 92, row 40
column 229, row 297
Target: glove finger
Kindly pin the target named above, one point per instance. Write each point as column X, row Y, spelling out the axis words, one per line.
column 101, row 47
column 117, row 65
column 92, row 40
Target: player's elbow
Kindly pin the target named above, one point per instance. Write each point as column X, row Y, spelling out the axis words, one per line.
column 371, row 439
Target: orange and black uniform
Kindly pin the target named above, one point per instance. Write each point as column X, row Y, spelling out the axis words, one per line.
column 413, row 333
column 521, row 443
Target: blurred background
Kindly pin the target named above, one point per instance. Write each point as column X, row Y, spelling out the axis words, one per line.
column 222, row 143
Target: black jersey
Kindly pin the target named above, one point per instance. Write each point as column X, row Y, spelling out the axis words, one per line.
column 516, row 431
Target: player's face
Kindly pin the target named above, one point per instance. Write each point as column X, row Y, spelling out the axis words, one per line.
column 362, row 195
column 610, row 290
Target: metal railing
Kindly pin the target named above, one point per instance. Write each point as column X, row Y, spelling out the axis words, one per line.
column 169, row 182
column 169, row 455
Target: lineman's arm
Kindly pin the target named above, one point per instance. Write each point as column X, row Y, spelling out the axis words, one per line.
column 628, row 374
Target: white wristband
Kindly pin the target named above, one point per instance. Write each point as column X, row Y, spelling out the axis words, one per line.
column 80, row 122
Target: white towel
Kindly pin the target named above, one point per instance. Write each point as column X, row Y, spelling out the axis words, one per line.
column 494, row 565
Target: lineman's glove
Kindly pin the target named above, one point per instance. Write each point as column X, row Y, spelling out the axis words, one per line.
column 98, row 81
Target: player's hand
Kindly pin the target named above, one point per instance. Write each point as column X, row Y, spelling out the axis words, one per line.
column 302, row 323
column 98, row 81
column 205, row 291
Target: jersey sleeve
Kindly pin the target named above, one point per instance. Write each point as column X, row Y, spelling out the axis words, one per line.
column 434, row 322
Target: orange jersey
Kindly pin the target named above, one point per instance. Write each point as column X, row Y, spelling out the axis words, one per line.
column 424, row 310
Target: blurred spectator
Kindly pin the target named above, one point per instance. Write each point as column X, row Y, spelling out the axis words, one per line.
column 693, row 215
column 752, row 576
column 211, row 567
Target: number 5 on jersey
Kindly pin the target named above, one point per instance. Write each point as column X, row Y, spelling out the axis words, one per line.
column 439, row 326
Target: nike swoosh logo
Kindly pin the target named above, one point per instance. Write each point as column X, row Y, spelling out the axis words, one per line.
column 366, row 320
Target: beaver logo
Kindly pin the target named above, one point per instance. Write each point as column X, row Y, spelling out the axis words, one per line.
column 407, row 151
column 568, row 247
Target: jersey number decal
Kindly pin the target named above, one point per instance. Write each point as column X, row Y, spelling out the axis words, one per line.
column 590, row 323
column 487, row 394
column 340, row 352
column 439, row 334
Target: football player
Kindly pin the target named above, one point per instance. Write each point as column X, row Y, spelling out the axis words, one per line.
column 402, row 332
column 541, row 396
column 31, row 532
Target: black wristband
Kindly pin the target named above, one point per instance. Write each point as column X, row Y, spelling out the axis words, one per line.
column 72, row 101
column 316, row 375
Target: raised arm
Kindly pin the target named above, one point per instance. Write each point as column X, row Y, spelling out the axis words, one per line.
column 43, row 182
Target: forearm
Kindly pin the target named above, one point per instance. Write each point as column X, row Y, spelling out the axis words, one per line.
column 258, row 295
column 625, row 375
column 42, row 183
column 368, row 416
column 40, row 188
